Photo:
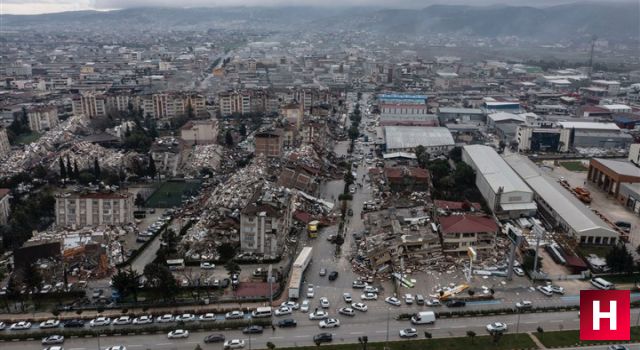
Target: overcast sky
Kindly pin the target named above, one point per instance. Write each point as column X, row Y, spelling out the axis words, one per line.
column 46, row 6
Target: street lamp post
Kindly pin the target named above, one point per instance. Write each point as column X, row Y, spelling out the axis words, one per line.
column 518, row 323
column 388, row 314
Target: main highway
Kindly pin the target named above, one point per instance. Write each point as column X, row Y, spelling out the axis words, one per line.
column 379, row 327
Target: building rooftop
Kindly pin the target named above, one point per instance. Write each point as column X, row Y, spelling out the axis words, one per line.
column 467, row 224
column 495, row 170
column 589, row 125
column 457, row 110
column 413, row 136
column 566, row 205
column 621, row 167
column 503, row 116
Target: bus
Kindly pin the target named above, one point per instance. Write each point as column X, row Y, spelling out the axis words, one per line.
column 175, row 264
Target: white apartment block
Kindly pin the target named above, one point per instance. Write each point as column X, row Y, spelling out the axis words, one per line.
column 93, row 209
column 43, row 118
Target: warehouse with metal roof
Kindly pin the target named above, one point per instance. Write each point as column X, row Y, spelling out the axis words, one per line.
column 505, row 192
column 435, row 140
column 561, row 208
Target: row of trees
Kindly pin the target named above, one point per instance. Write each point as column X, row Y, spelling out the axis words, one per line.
column 450, row 184
column 35, row 212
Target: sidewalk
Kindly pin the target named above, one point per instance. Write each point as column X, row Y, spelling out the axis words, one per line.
column 536, row 341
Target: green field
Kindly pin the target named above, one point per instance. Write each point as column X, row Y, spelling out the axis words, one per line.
column 508, row 341
column 572, row 338
column 24, row 139
column 575, row 165
column 170, row 194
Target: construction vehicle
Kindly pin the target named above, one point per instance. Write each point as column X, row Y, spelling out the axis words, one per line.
column 582, row 194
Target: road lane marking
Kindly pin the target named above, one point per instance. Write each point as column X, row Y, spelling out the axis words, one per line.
column 276, row 337
column 135, row 346
column 356, row 333
column 164, row 344
column 77, row 348
column 556, row 321
column 300, row 336
column 380, row 332
column 458, row 327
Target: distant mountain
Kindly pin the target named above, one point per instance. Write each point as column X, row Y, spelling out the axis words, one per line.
column 606, row 20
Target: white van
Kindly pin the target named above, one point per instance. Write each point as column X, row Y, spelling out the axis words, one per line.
column 601, row 283
column 424, row 317
column 261, row 312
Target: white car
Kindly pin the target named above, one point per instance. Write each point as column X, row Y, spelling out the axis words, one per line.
column 408, row 298
column 347, row 297
column 556, row 289
column 305, row 306
column 165, row 318
column 408, row 333
column 393, row 301
column 283, row 310
column 233, row 315
column 50, row 324
column 370, row 289
column 329, row 323
column 207, row 266
column 360, row 307
column 234, row 344
column 496, row 327
column 347, row 311
column 369, row 296
column 291, row 304
column 100, row 322
column 318, row 315
column 146, row 319
column 53, row 339
column 122, row 320
column 178, row 333
column 524, row 304
column 116, row 347
column 185, row 318
column 324, row 302
column 433, row 302
column 2, row 325
column 310, row 292
column 56, row 347
column 518, row 271
column 19, row 326
column 207, row 317
column 545, row 290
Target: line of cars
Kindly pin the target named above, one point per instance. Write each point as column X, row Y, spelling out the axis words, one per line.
column 153, row 229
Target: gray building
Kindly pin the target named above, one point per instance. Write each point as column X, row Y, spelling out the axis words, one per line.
column 461, row 115
column 435, row 140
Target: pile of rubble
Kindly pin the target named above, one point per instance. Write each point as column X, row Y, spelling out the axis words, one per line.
column 235, row 193
column 204, row 156
column 83, row 153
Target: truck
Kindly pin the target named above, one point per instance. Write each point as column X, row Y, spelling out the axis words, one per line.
column 297, row 271
column 424, row 317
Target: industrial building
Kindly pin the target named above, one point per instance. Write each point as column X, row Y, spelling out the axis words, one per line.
column 505, row 193
column 609, row 174
column 536, row 139
column 390, row 119
column 436, row 140
column 559, row 207
column 461, row 115
column 600, row 135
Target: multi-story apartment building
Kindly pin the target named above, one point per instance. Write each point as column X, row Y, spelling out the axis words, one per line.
column 42, row 118
column 269, row 143
column 5, row 147
column 90, row 105
column 234, row 102
column 171, row 105
column 93, row 209
column 265, row 223
column 5, row 207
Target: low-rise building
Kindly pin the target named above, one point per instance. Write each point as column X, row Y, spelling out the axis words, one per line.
column 460, row 232
column 435, row 140
column 79, row 210
column 407, row 179
column 543, row 139
column 609, row 174
column 167, row 155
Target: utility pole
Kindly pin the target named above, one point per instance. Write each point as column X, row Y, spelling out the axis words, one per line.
column 539, row 232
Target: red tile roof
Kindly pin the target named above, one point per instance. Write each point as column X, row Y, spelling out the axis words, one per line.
column 451, row 205
column 467, row 224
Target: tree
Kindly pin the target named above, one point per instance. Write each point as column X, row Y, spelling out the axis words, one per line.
column 243, row 130
column 456, row 154
column 96, row 169
column 271, row 345
column 139, row 201
column 472, row 335
column 151, row 170
column 464, row 176
column 160, row 277
column 540, row 331
column 619, row 259
column 126, row 283
column 527, row 262
column 232, row 267
column 76, row 172
column 495, row 336
column 31, row 277
column 63, row 168
column 427, row 335
column 422, row 156
column 227, row 251
column 228, row 138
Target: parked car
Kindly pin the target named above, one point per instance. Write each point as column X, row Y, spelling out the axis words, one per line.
column 287, row 322
column 74, row 324
column 324, row 302
column 165, row 318
column 145, row 319
column 318, row 315
column 55, row 347
column 433, row 302
column 370, row 289
column 357, row 284
column 178, row 333
column 283, row 310
column 347, row 311
column 234, row 315
column 305, row 306
column 546, row 290
column 518, row 271
column 20, row 326
column 393, row 301
column 53, row 339
column 117, row 347
column 122, row 320
column 50, row 324
column 347, row 297
column 208, row 317
column 253, row 329
column 456, row 303
column 408, row 333
column 233, row 344
column 310, row 292
column 333, row 275
column 291, row 304
column 207, row 266
column 556, row 289
column 360, row 307
column 214, row 338
column 524, row 304
column 369, row 296
column 185, row 318
column 323, row 272
column 408, row 299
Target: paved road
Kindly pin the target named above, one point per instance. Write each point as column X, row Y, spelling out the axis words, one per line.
column 378, row 327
